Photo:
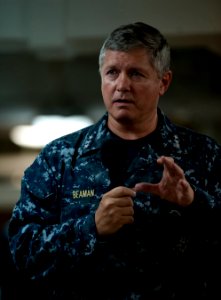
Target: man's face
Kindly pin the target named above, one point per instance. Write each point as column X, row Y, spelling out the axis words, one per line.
column 130, row 85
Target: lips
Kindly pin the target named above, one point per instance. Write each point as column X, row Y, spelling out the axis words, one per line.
column 122, row 101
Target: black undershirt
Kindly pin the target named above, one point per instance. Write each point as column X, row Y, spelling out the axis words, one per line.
column 118, row 153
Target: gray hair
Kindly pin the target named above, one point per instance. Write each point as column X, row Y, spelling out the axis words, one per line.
column 139, row 35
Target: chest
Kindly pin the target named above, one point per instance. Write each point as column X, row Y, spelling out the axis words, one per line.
column 85, row 182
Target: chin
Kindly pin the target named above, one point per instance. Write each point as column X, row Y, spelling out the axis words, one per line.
column 123, row 117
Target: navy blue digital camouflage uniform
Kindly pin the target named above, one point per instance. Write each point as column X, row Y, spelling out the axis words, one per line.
column 169, row 252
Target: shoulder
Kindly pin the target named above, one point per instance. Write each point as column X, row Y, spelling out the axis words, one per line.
column 187, row 138
column 67, row 145
column 196, row 138
column 72, row 139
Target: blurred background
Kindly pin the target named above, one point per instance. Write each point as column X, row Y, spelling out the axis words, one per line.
column 49, row 80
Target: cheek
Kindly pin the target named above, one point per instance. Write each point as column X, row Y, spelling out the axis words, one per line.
column 106, row 89
column 103, row 90
column 154, row 91
column 148, row 97
column 105, row 95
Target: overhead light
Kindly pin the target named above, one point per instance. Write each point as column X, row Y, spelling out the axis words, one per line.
column 45, row 129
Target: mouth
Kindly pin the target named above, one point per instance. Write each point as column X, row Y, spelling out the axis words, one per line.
column 122, row 101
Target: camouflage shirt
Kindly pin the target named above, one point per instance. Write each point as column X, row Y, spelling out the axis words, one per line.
column 52, row 230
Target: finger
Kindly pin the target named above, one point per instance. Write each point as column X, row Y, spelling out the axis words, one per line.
column 124, row 202
column 186, row 187
column 121, row 191
column 163, row 159
column 115, row 199
column 147, row 187
column 184, row 184
column 127, row 220
column 172, row 168
column 127, row 211
column 188, row 192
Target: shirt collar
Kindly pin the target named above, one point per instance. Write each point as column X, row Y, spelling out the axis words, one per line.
column 98, row 133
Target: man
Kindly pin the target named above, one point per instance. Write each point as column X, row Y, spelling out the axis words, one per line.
column 128, row 208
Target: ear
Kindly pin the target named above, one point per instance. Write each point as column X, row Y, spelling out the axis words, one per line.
column 165, row 82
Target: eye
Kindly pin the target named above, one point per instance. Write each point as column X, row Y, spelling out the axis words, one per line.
column 135, row 73
column 112, row 72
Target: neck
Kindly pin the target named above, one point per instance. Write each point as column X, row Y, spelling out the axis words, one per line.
column 130, row 130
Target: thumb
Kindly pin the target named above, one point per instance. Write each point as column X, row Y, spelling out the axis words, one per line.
column 147, row 188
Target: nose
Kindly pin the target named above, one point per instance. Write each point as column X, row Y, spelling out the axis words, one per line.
column 123, row 83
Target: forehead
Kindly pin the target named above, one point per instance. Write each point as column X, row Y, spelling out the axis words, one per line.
column 132, row 58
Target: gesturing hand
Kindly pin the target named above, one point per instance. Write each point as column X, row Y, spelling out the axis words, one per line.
column 115, row 210
column 173, row 185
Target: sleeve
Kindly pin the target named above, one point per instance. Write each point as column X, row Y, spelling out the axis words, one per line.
column 202, row 219
column 207, row 197
column 40, row 244
column 203, row 216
